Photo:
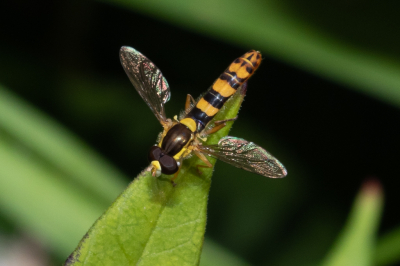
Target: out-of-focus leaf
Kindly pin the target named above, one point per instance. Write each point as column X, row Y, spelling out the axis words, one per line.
column 40, row 200
column 356, row 244
column 62, row 151
column 388, row 248
column 213, row 254
column 50, row 184
column 271, row 26
column 152, row 222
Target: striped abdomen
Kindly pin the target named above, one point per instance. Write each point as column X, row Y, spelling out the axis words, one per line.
column 224, row 87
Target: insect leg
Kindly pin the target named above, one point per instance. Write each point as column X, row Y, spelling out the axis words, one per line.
column 189, row 99
column 153, row 171
column 177, row 173
column 220, row 124
column 214, row 129
column 204, row 159
column 175, row 176
column 226, row 120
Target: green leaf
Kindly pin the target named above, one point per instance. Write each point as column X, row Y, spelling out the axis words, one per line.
column 275, row 27
column 47, row 176
column 356, row 244
column 152, row 222
column 213, row 254
column 388, row 248
column 52, row 143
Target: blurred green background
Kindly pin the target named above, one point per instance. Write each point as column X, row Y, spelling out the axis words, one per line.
column 74, row 132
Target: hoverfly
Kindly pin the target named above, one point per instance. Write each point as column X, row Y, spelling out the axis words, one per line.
column 185, row 136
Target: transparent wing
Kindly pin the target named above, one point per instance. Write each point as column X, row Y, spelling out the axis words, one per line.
column 246, row 155
column 147, row 80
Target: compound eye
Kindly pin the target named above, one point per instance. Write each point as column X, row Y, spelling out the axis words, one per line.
column 154, row 153
column 168, row 165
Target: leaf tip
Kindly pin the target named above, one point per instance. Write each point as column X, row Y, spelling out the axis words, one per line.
column 74, row 257
column 372, row 188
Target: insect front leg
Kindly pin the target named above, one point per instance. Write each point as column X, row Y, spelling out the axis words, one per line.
column 177, row 173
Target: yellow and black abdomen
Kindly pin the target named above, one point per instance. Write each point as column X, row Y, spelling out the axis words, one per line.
column 223, row 88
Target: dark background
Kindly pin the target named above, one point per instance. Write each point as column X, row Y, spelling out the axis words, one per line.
column 330, row 137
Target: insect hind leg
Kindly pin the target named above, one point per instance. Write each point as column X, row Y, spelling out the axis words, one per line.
column 220, row 124
column 225, row 120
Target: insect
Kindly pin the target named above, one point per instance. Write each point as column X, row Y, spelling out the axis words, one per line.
column 183, row 137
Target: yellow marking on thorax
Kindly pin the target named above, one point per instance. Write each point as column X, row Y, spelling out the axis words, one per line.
column 162, row 138
column 165, row 131
column 190, row 123
column 206, row 107
column 179, row 154
column 185, row 150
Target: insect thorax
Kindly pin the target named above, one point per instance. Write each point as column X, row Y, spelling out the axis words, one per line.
column 176, row 139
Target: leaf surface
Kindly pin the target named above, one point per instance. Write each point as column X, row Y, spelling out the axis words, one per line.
column 152, row 222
